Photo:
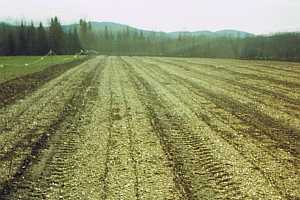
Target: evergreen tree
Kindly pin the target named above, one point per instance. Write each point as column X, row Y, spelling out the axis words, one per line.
column 22, row 42
column 42, row 40
column 83, row 32
column 31, row 40
column 75, row 41
column 11, row 44
column 56, row 37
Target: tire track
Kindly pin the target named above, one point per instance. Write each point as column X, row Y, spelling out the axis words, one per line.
column 71, row 108
column 183, row 185
column 131, row 136
column 269, row 75
column 109, row 143
column 12, row 90
column 242, row 86
column 60, row 165
column 213, row 172
column 18, row 143
column 86, row 178
column 267, row 69
column 252, row 117
column 28, row 139
column 281, row 182
column 280, row 68
column 101, row 139
column 121, row 179
column 153, row 171
column 284, row 111
column 16, row 111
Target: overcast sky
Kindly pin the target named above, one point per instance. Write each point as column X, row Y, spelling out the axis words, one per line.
column 257, row 16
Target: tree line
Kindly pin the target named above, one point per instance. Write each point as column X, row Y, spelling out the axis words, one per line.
column 28, row 39
column 31, row 40
column 280, row 46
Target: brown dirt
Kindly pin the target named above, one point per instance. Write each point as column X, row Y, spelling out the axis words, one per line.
column 20, row 87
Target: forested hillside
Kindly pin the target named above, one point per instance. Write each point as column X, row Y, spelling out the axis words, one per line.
column 113, row 39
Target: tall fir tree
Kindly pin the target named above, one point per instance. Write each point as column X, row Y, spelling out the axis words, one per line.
column 42, row 40
column 56, row 37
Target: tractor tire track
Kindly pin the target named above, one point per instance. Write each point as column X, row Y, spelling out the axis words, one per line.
column 71, row 108
column 13, row 114
column 121, row 180
column 20, row 87
column 151, row 168
column 261, row 91
column 131, row 136
column 138, row 128
column 27, row 140
column 17, row 144
column 254, row 118
column 247, row 151
column 214, row 172
column 255, row 72
column 182, row 184
column 287, row 113
column 110, row 141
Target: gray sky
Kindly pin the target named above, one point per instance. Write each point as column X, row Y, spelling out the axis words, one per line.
column 257, row 16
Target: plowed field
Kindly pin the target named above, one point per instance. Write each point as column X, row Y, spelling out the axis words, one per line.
column 155, row 128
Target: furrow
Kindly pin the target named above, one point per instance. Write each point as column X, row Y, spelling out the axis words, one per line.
column 181, row 145
column 235, row 133
column 244, row 111
column 50, row 140
column 258, row 92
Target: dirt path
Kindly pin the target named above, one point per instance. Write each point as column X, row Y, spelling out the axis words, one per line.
column 154, row 128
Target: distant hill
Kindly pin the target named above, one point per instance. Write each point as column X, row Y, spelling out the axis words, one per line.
column 100, row 26
column 112, row 26
column 221, row 33
column 233, row 33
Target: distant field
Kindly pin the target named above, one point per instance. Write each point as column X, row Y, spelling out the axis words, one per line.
column 15, row 66
column 155, row 128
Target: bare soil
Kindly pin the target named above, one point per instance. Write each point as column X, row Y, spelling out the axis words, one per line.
column 152, row 128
